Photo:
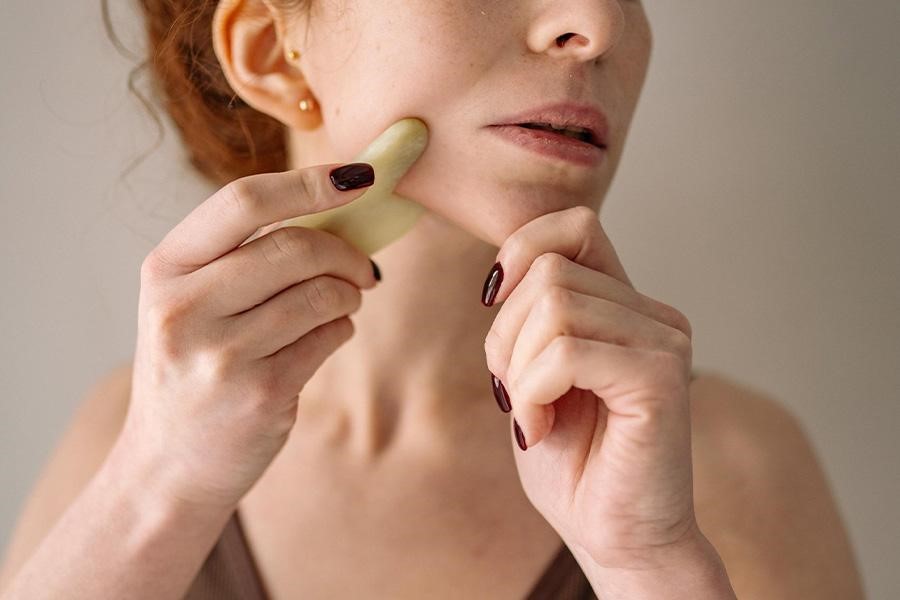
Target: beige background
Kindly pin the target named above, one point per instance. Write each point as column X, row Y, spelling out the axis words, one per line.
column 758, row 194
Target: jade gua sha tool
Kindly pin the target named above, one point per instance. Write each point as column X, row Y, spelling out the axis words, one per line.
column 379, row 216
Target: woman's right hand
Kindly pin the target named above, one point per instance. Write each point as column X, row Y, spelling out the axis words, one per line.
column 230, row 329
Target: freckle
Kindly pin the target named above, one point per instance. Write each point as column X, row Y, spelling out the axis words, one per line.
column 337, row 111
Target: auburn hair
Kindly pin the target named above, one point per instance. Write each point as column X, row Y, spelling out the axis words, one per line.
column 225, row 137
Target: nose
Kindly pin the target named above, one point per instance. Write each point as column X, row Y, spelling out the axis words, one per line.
column 580, row 30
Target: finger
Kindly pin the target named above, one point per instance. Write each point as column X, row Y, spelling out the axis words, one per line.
column 380, row 216
column 255, row 272
column 562, row 312
column 291, row 314
column 263, row 231
column 632, row 382
column 554, row 270
column 294, row 365
column 575, row 233
column 238, row 209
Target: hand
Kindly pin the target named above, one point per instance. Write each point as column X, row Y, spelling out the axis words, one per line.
column 229, row 333
column 597, row 375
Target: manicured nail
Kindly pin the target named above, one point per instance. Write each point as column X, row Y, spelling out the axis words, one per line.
column 492, row 285
column 375, row 270
column 352, row 176
column 500, row 394
column 520, row 437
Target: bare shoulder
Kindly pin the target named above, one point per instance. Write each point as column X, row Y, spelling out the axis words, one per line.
column 77, row 456
column 763, row 499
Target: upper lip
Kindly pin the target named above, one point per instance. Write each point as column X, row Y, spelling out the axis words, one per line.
column 566, row 114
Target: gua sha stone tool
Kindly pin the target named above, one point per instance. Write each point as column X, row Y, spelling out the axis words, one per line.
column 379, row 216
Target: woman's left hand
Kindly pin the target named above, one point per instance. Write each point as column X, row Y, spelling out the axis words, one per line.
column 597, row 375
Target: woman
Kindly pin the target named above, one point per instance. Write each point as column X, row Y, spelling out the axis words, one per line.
column 233, row 460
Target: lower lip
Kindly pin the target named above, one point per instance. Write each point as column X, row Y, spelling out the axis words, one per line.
column 550, row 144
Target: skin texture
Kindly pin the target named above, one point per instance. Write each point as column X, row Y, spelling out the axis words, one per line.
column 413, row 381
column 390, row 385
column 398, row 433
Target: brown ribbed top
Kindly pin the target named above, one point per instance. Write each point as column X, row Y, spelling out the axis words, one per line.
column 230, row 573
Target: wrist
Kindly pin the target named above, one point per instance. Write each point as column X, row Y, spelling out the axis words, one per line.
column 692, row 570
column 141, row 485
column 124, row 535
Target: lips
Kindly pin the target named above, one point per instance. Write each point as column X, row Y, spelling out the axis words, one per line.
column 578, row 133
column 579, row 121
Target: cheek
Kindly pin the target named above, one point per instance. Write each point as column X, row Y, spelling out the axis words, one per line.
column 357, row 113
column 384, row 66
column 472, row 191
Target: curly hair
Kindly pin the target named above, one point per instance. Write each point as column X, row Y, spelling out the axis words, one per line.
column 224, row 136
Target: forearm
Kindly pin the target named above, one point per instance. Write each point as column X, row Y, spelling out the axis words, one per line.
column 696, row 572
column 120, row 538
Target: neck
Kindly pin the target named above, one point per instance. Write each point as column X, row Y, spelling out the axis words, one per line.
column 413, row 377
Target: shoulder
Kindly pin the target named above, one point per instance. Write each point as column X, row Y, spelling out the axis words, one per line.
column 762, row 497
column 741, row 420
column 77, row 455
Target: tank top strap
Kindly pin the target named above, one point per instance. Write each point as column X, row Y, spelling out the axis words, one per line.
column 229, row 571
column 562, row 580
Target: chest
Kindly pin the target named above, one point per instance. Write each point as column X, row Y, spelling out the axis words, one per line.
column 398, row 546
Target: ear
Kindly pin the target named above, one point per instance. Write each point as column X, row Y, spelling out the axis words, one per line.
column 250, row 43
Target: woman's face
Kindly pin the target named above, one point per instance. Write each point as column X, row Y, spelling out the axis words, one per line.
column 461, row 66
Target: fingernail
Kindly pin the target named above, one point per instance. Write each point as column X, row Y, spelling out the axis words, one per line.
column 520, row 437
column 375, row 270
column 492, row 285
column 500, row 394
column 352, row 176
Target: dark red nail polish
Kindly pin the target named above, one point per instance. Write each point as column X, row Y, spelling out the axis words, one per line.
column 492, row 285
column 520, row 437
column 375, row 270
column 500, row 394
column 352, row 176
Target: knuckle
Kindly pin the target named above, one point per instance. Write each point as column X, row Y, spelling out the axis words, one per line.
column 157, row 264
column 321, row 296
column 548, row 265
column 228, row 354
column 286, row 245
column 584, row 217
column 681, row 321
column 269, row 387
column 241, row 195
column 677, row 318
column 354, row 297
column 168, row 315
column 554, row 304
column 168, row 320
column 305, row 187
column 152, row 266
column 492, row 344
column 492, row 340
column 680, row 342
column 565, row 349
column 169, row 345
column 347, row 328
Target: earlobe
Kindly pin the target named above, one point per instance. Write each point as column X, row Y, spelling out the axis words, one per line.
column 248, row 39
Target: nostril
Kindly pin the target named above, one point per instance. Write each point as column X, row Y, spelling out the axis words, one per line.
column 561, row 40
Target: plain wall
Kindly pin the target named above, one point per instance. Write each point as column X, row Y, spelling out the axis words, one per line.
column 758, row 194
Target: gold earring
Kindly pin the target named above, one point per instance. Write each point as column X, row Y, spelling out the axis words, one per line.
column 307, row 104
